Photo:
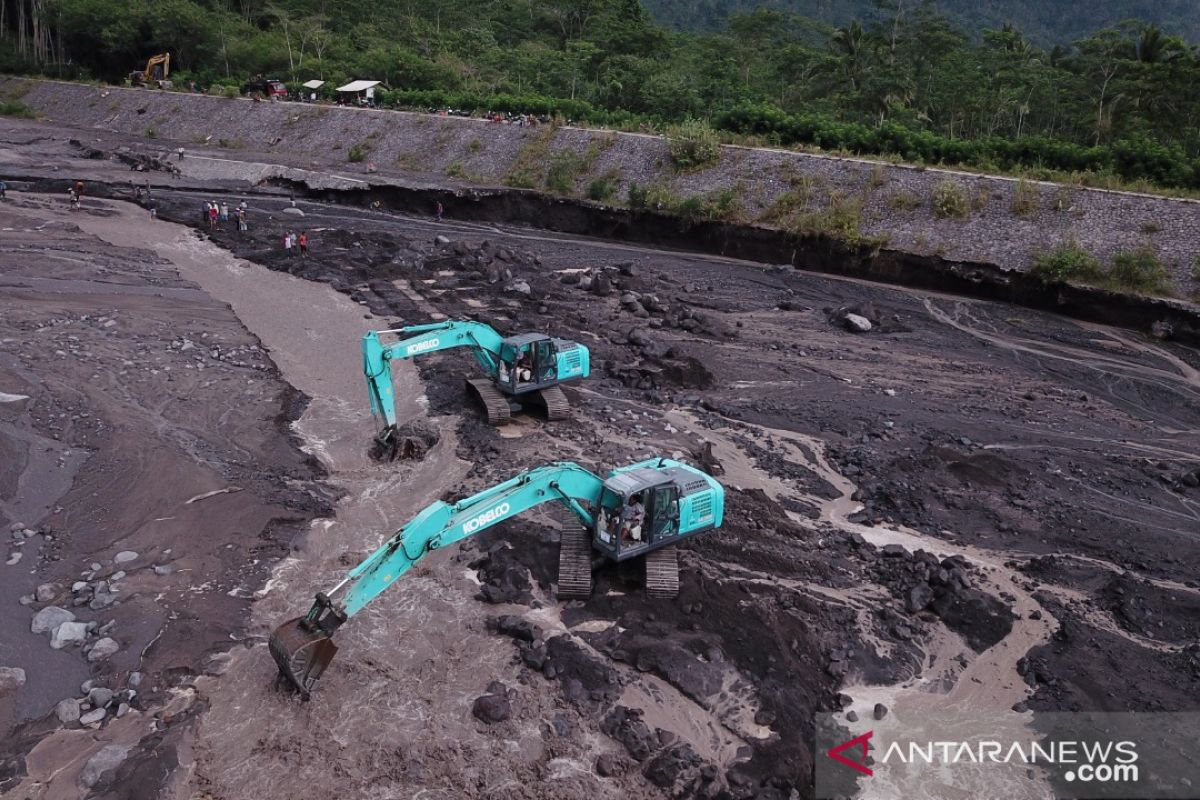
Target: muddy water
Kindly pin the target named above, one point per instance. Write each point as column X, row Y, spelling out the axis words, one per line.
column 392, row 715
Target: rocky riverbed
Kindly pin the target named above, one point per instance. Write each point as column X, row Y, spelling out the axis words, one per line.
column 930, row 499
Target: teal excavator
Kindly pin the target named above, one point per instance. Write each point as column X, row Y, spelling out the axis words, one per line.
column 643, row 509
column 521, row 370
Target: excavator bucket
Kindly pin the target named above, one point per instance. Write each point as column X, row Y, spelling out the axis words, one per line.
column 302, row 652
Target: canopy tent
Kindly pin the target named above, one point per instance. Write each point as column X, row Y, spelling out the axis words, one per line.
column 314, row 84
column 355, row 87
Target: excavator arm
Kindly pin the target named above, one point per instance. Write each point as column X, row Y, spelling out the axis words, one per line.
column 482, row 339
column 303, row 647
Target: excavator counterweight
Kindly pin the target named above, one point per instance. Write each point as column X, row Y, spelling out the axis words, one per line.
column 638, row 511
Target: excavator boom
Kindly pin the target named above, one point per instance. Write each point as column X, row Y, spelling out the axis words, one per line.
column 303, row 647
column 417, row 340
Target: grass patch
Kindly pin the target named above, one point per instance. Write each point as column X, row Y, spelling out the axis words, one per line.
column 878, row 177
column 528, row 170
column 604, row 188
column 456, row 170
column 1140, row 270
column 720, row 204
column 563, row 170
column 1151, row 227
column 1025, row 198
column 358, row 153
column 840, row 219
column 231, row 93
column 795, row 200
column 903, row 201
column 474, row 146
column 15, row 108
column 950, row 200
column 1068, row 263
column 692, row 144
column 231, row 144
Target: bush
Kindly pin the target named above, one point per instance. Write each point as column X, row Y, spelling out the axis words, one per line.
column 561, row 174
column 904, row 201
column 1140, row 270
column 1196, row 269
column 15, row 108
column 456, row 170
column 602, row 188
column 357, row 153
column 231, row 93
column 692, row 144
column 1067, row 263
column 638, row 196
column 841, row 219
column 1025, row 197
column 950, row 200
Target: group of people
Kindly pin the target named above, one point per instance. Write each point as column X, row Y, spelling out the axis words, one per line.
column 293, row 242
column 214, row 213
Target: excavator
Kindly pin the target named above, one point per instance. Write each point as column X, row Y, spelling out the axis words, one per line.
column 158, row 70
column 522, row 369
column 640, row 510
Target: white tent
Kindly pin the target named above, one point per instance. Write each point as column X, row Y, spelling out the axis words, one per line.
column 358, row 86
column 314, row 84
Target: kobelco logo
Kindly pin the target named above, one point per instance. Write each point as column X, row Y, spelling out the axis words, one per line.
column 487, row 517
column 421, row 347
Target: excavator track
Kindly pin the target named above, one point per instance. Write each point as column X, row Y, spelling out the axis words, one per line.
column 662, row 573
column 555, row 400
column 574, row 558
column 494, row 403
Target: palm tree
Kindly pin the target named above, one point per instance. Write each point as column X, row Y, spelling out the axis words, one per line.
column 850, row 45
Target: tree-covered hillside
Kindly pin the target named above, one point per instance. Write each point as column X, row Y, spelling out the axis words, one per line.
column 1123, row 100
column 1045, row 22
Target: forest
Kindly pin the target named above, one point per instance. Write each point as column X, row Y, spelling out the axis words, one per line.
column 906, row 82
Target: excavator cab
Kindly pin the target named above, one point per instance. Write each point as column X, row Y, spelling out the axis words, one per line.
column 528, row 363
column 639, row 512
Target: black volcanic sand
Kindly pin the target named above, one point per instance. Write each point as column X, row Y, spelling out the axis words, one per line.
column 141, row 395
column 981, row 424
column 1069, row 450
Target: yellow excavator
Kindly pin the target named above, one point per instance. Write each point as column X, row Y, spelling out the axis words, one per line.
column 158, row 70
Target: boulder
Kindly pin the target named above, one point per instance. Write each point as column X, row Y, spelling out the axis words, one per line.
column 107, row 758
column 100, row 697
column 125, row 556
column 11, row 679
column 92, row 717
column 492, row 708
column 606, row 765
column 103, row 649
column 919, row 597
column 68, row 633
column 50, row 618
column 47, row 592
column 519, row 287
column 857, row 324
column 67, row 711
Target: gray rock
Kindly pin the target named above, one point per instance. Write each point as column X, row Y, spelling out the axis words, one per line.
column 11, row 679
column 122, row 710
column 102, row 600
column 49, row 618
column 857, row 323
column 606, row 765
column 295, row 212
column 439, row 239
column 125, row 556
column 47, row 592
column 68, row 633
column 519, row 287
column 100, row 696
column 107, row 758
column 135, row 679
column 103, row 649
column 164, row 569
column 492, row 708
column 116, row 576
column 92, row 717
column 67, row 711
column 919, row 597
column 880, row 711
